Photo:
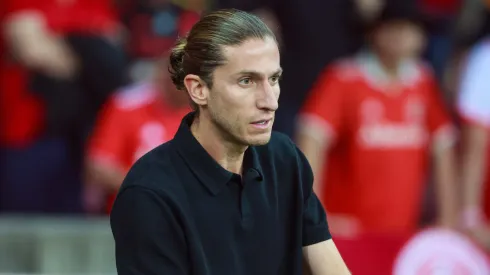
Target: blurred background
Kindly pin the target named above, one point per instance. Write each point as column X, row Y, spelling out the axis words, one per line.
column 388, row 99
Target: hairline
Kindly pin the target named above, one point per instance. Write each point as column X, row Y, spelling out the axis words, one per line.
column 225, row 57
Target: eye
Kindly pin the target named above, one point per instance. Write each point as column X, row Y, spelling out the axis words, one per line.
column 245, row 81
column 275, row 79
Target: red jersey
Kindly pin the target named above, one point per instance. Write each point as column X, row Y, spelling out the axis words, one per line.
column 376, row 167
column 474, row 99
column 132, row 123
column 21, row 112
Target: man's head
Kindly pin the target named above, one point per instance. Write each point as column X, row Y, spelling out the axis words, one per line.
column 398, row 33
column 229, row 65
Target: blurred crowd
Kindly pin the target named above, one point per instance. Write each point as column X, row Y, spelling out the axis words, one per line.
column 388, row 99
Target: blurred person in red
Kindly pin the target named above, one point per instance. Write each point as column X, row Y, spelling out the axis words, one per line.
column 37, row 171
column 136, row 119
column 473, row 106
column 368, row 127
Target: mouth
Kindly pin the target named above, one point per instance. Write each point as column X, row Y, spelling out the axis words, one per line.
column 262, row 124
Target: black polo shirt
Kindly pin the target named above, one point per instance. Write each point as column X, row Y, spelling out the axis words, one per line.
column 179, row 212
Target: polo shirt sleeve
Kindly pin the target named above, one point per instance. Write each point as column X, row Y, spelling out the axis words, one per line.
column 315, row 226
column 148, row 237
column 474, row 94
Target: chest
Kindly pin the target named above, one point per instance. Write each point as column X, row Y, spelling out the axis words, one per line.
column 396, row 118
column 246, row 229
column 398, row 104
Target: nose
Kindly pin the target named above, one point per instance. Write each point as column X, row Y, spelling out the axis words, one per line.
column 268, row 98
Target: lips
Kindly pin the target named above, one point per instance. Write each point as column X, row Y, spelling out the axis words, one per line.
column 262, row 122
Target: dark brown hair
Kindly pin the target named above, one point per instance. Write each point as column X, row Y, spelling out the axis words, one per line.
column 200, row 52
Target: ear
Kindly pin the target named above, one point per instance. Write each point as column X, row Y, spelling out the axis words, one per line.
column 197, row 89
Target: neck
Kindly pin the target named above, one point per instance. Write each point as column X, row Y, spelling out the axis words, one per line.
column 227, row 154
column 390, row 65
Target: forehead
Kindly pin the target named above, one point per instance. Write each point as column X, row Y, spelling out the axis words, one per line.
column 261, row 55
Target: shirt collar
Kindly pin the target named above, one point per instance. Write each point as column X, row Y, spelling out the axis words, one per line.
column 408, row 71
column 212, row 175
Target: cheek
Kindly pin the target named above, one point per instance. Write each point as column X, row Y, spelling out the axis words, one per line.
column 228, row 104
column 229, row 100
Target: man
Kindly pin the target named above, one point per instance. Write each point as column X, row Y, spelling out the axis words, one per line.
column 137, row 119
column 474, row 109
column 226, row 195
column 367, row 128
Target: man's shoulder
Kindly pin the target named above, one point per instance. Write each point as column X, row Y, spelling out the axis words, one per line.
column 156, row 170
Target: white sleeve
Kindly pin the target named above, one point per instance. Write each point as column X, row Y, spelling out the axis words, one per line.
column 474, row 94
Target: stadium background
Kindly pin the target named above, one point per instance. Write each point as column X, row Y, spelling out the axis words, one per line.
column 79, row 241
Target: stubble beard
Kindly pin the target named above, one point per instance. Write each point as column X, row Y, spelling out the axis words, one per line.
column 227, row 128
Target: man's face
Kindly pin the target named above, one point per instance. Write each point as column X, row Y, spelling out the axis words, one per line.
column 245, row 92
column 399, row 39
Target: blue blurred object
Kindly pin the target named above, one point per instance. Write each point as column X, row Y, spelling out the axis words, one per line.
column 41, row 178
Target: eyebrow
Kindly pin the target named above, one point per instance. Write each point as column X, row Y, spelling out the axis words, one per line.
column 257, row 74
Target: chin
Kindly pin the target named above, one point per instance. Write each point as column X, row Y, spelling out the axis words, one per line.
column 258, row 140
